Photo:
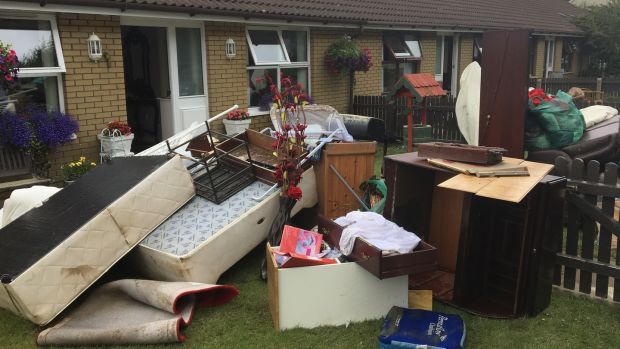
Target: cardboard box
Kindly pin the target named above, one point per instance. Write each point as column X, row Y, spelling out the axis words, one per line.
column 329, row 295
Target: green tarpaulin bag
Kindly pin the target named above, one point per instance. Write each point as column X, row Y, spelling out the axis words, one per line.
column 553, row 124
column 376, row 190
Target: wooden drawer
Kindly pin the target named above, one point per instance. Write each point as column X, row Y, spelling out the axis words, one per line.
column 422, row 259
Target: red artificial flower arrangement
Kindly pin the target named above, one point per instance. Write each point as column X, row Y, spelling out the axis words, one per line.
column 121, row 126
column 238, row 115
column 9, row 65
column 289, row 145
column 537, row 96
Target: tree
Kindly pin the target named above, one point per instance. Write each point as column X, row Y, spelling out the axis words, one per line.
column 602, row 27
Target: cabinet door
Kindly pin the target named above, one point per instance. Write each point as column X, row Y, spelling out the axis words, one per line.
column 546, row 232
column 503, row 93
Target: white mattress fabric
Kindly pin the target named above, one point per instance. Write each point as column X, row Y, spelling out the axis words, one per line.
column 53, row 282
column 376, row 230
column 596, row 114
column 199, row 219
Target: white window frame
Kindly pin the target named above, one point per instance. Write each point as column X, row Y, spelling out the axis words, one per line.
column 403, row 37
column 254, row 110
column 47, row 71
column 550, row 55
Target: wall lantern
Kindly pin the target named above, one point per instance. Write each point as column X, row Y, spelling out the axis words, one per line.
column 231, row 49
column 95, row 53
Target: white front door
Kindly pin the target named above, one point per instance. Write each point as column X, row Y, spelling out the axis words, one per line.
column 187, row 101
column 188, row 76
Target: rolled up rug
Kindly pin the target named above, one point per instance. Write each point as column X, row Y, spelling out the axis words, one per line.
column 135, row 312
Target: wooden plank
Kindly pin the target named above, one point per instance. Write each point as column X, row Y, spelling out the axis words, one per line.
column 421, row 299
column 589, row 265
column 514, row 189
column 351, row 148
column 272, row 287
column 572, row 229
column 445, row 226
column 561, row 167
column 604, row 242
column 588, row 231
column 466, row 183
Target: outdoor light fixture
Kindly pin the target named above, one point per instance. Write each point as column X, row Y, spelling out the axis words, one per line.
column 95, row 53
column 231, row 49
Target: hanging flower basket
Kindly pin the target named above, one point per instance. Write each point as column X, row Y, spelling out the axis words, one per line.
column 114, row 143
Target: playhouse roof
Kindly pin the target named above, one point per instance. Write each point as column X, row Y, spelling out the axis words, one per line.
column 420, row 85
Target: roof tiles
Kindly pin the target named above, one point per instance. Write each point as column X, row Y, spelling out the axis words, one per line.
column 549, row 16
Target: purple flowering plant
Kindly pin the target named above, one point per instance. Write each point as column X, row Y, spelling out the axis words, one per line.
column 36, row 131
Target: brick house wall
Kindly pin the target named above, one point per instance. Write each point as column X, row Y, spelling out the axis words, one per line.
column 227, row 78
column 428, row 45
column 466, row 53
column 94, row 93
column 370, row 83
column 326, row 88
column 557, row 58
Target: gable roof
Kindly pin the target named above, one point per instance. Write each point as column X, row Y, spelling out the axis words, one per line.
column 548, row 16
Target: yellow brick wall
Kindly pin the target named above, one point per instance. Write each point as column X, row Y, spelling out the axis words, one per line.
column 94, row 94
column 540, row 57
column 466, row 53
column 557, row 58
column 326, row 88
column 369, row 83
column 227, row 78
column 428, row 45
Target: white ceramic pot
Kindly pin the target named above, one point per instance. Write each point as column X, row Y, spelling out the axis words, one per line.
column 236, row 126
column 116, row 145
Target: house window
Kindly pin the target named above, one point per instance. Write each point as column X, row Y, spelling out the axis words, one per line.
column 401, row 55
column 532, row 55
column 477, row 49
column 37, row 44
column 569, row 48
column 272, row 53
column 189, row 62
column 549, row 55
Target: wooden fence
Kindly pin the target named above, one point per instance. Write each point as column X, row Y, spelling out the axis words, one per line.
column 588, row 260
column 440, row 115
column 552, row 85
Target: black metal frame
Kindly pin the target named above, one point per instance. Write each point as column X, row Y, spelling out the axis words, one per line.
column 219, row 176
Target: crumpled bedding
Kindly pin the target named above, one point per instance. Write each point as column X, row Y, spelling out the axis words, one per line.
column 376, row 230
column 22, row 200
column 596, row 114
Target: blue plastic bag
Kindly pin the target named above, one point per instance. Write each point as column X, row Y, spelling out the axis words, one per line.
column 410, row 328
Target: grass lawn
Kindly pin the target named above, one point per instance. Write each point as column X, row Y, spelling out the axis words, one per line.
column 570, row 322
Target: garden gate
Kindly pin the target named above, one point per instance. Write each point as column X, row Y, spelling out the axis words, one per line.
column 590, row 241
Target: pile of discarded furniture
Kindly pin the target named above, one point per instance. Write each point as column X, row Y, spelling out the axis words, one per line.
column 187, row 209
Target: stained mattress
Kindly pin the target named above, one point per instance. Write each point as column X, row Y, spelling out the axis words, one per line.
column 202, row 240
column 53, row 253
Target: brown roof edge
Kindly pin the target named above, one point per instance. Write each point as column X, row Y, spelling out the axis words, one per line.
column 122, row 5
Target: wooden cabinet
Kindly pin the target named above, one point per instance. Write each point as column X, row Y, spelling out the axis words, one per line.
column 356, row 163
column 494, row 257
